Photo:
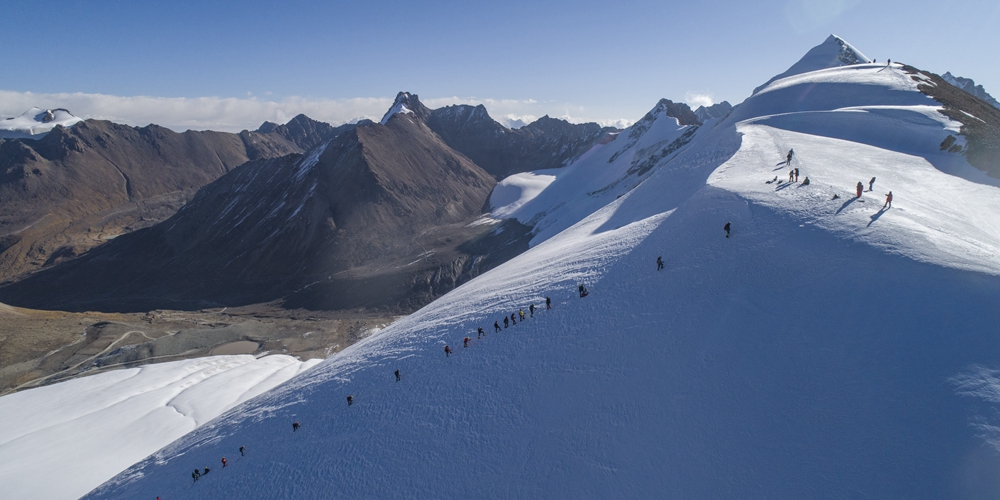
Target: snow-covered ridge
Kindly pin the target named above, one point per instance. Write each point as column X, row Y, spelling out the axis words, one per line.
column 35, row 123
column 553, row 200
column 92, row 428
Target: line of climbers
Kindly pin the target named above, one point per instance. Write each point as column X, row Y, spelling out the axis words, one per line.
column 447, row 350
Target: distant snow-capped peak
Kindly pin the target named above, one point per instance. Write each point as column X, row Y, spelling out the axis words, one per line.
column 35, row 123
column 832, row 53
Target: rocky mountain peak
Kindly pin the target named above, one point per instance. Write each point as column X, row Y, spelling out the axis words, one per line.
column 406, row 103
column 968, row 85
column 267, row 127
column 717, row 111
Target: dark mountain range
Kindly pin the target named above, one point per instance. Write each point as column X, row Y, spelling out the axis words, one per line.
column 299, row 134
column 382, row 216
column 78, row 187
column 378, row 217
column 544, row 143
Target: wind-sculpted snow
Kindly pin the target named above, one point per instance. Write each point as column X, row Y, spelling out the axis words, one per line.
column 86, row 430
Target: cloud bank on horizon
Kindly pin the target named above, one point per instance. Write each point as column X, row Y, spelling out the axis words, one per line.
column 233, row 114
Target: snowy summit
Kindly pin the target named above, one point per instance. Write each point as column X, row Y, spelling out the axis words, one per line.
column 35, row 123
column 831, row 53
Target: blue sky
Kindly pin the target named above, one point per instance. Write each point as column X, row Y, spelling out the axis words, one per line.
column 229, row 65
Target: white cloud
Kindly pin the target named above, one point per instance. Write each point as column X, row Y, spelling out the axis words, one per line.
column 232, row 114
column 516, row 121
column 696, row 99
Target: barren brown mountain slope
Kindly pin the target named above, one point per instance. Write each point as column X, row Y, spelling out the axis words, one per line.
column 380, row 217
column 78, row 187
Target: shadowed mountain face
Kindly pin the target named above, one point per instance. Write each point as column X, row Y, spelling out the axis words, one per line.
column 373, row 215
column 378, row 217
column 78, row 187
column 299, row 134
column 545, row 143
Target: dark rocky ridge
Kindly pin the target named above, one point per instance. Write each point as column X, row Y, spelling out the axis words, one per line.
column 980, row 120
column 544, row 143
column 718, row 111
column 299, row 134
column 969, row 85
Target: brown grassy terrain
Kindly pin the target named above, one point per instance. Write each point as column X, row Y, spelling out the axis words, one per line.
column 43, row 347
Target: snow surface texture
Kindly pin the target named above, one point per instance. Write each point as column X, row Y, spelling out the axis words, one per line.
column 828, row 348
column 86, row 430
column 35, row 123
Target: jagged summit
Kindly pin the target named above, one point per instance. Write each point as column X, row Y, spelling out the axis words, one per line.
column 406, row 103
column 717, row 110
column 35, row 123
column 833, row 52
column 969, row 85
column 682, row 112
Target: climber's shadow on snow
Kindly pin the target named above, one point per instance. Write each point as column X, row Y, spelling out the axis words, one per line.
column 848, row 202
column 877, row 215
column 784, row 185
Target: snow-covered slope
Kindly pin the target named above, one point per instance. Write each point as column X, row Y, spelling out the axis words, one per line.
column 832, row 53
column 35, row 123
column 555, row 199
column 828, row 348
column 62, row 440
